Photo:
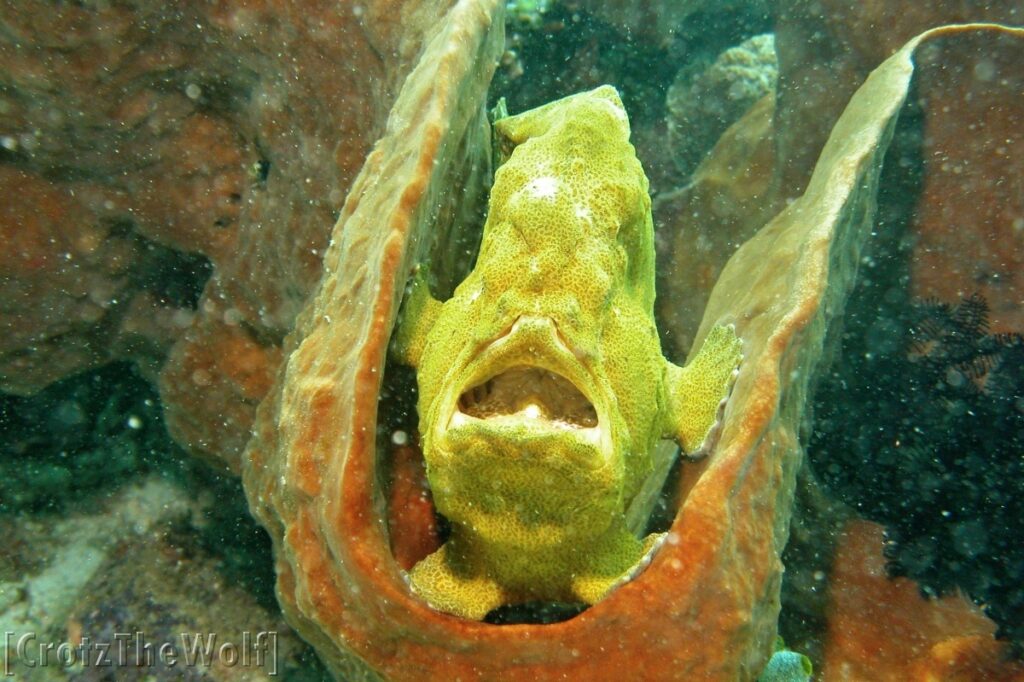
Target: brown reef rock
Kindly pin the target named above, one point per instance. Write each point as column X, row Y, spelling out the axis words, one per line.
column 882, row 629
column 140, row 140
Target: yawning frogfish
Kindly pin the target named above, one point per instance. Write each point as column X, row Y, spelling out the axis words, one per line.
column 542, row 387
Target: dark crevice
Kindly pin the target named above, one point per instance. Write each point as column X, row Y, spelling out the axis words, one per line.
column 174, row 278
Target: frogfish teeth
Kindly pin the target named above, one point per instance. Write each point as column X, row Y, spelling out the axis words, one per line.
column 542, row 387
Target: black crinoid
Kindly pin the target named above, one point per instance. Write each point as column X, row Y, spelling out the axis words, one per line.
column 920, row 427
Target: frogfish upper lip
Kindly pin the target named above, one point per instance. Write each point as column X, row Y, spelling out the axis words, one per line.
column 528, row 376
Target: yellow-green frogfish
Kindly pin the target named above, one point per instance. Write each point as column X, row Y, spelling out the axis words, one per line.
column 542, row 387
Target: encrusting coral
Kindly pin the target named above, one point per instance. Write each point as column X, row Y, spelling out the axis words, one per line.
column 701, row 106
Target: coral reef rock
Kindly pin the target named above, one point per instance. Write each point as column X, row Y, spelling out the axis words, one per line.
column 701, row 106
column 123, row 570
column 884, row 629
column 144, row 144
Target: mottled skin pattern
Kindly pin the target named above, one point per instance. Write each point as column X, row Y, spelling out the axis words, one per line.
column 564, row 282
